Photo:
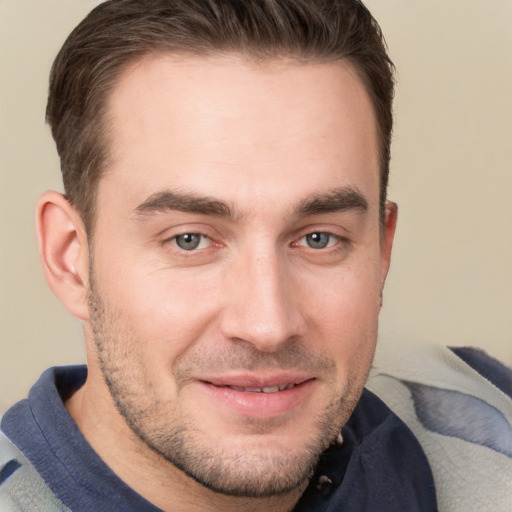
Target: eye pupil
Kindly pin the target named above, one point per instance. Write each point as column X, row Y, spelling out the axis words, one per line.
column 317, row 240
column 188, row 241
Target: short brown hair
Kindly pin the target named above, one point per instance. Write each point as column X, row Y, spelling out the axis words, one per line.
column 117, row 32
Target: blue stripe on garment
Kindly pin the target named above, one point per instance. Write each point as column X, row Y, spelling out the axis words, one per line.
column 490, row 368
column 8, row 469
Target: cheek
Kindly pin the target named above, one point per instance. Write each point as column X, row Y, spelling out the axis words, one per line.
column 163, row 313
column 345, row 309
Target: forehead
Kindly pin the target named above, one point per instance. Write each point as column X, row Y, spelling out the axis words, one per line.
column 259, row 127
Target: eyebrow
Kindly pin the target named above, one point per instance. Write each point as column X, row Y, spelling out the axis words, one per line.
column 337, row 200
column 189, row 203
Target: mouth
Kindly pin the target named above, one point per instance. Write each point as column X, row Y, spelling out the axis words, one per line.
column 259, row 398
column 259, row 383
column 265, row 389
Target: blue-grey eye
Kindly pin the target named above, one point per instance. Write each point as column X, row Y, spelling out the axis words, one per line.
column 189, row 241
column 318, row 240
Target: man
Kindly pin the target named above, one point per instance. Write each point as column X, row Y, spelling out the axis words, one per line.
column 224, row 239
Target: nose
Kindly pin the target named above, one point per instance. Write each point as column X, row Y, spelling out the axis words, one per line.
column 262, row 308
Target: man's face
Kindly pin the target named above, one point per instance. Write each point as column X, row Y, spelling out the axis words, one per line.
column 237, row 264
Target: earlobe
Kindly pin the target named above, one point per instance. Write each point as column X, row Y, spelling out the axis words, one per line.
column 64, row 252
column 388, row 235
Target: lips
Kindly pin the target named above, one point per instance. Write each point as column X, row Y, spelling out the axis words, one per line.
column 266, row 389
column 249, row 396
column 258, row 384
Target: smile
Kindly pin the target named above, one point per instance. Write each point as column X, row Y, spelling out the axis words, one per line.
column 259, row 397
column 267, row 389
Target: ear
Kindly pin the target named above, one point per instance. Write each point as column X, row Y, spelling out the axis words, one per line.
column 387, row 237
column 64, row 253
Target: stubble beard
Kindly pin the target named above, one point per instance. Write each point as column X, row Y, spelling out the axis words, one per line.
column 241, row 471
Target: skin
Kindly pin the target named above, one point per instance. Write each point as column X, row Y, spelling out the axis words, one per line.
column 275, row 166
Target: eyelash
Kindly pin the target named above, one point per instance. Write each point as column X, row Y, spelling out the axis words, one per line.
column 203, row 236
column 338, row 248
column 332, row 241
column 334, row 244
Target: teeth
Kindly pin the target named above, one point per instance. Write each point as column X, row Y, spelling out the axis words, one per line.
column 236, row 388
column 269, row 389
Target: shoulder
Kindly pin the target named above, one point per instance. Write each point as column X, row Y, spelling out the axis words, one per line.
column 490, row 368
column 21, row 487
column 24, row 448
column 458, row 404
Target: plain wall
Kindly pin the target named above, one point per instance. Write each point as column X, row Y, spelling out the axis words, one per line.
column 451, row 276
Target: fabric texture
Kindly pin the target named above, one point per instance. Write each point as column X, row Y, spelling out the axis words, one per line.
column 21, row 487
column 380, row 467
column 458, row 404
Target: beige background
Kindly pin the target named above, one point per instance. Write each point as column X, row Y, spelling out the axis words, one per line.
column 451, row 278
